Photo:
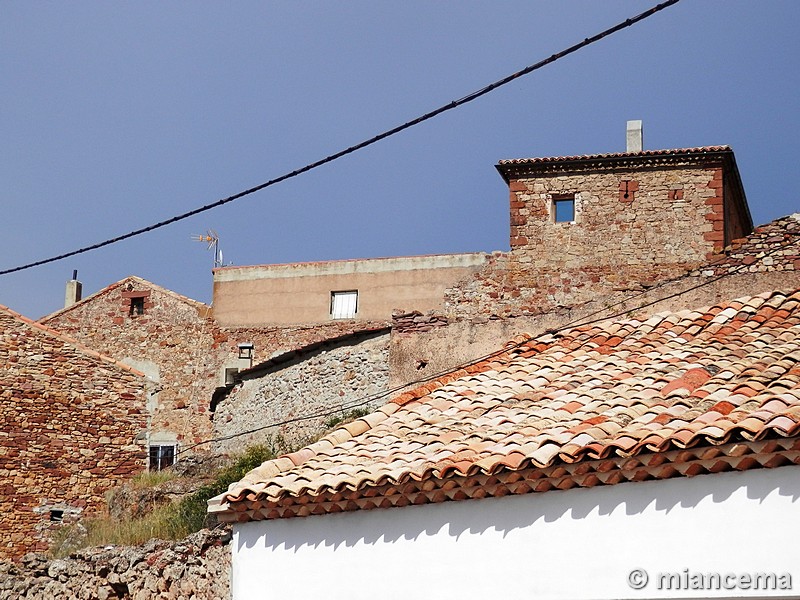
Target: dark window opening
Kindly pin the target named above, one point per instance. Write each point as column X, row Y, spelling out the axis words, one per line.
column 137, row 306
column 162, row 457
column 56, row 516
column 564, row 208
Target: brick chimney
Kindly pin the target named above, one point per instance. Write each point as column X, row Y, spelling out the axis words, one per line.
column 74, row 290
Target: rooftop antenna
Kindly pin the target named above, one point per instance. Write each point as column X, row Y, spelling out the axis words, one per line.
column 212, row 239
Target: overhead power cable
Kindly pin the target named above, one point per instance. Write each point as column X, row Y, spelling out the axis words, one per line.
column 381, row 136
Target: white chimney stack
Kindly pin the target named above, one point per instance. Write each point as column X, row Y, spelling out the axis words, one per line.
column 74, row 290
column 634, row 136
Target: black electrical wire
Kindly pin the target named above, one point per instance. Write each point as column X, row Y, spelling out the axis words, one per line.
column 442, row 109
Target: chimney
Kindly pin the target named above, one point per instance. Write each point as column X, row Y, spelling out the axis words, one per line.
column 74, row 290
column 634, row 136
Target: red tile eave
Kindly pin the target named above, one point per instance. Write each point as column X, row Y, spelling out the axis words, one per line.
column 453, row 485
column 507, row 166
column 701, row 150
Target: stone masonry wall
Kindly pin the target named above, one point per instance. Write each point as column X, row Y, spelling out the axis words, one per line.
column 670, row 222
column 196, row 568
column 177, row 342
column 69, row 420
column 326, row 378
column 173, row 342
column 766, row 260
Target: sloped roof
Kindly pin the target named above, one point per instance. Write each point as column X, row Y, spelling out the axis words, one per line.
column 41, row 329
column 678, row 394
column 774, row 246
column 701, row 151
column 130, row 279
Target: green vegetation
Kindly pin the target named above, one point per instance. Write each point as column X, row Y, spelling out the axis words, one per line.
column 171, row 522
column 346, row 417
column 179, row 519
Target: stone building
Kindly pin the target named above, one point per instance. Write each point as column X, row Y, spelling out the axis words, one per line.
column 170, row 338
column 72, row 425
column 585, row 232
column 179, row 345
column 303, row 389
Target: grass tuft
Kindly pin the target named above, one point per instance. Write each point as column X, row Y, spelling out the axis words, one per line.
column 171, row 522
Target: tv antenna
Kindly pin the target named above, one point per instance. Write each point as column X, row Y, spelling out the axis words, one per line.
column 212, row 239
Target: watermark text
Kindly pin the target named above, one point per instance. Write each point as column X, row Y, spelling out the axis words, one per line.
column 639, row 579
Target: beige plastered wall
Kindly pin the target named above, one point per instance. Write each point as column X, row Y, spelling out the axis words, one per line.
column 301, row 292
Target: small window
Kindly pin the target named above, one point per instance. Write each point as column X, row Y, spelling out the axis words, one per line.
column 56, row 516
column 230, row 375
column 162, row 456
column 137, row 306
column 564, row 208
column 344, row 305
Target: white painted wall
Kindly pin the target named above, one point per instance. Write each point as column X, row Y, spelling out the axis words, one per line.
column 576, row 544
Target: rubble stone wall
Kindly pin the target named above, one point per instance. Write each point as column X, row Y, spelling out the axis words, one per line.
column 323, row 379
column 69, row 421
column 766, row 260
column 173, row 342
column 196, row 568
column 177, row 343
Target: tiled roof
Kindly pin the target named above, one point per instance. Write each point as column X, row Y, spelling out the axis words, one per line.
column 678, row 394
column 130, row 279
column 589, row 157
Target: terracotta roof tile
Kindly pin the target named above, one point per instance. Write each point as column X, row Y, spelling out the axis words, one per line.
column 563, row 415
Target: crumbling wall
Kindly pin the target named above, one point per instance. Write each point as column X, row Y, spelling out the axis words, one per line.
column 196, row 568
column 768, row 259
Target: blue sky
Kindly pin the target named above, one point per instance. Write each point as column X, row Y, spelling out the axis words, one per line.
column 117, row 115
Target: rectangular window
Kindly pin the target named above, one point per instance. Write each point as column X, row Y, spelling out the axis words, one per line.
column 564, row 208
column 344, row 305
column 162, row 456
column 137, row 306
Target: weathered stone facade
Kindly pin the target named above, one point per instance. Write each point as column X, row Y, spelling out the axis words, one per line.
column 169, row 337
column 196, row 568
column 766, row 260
column 314, row 380
column 637, row 220
column 179, row 346
column 69, row 423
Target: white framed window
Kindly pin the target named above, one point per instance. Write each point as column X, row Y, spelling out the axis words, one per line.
column 564, row 208
column 344, row 305
column 162, row 456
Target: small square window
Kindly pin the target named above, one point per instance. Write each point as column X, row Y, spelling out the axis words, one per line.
column 344, row 305
column 230, row 375
column 564, row 208
column 56, row 515
column 162, row 456
column 137, row 306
